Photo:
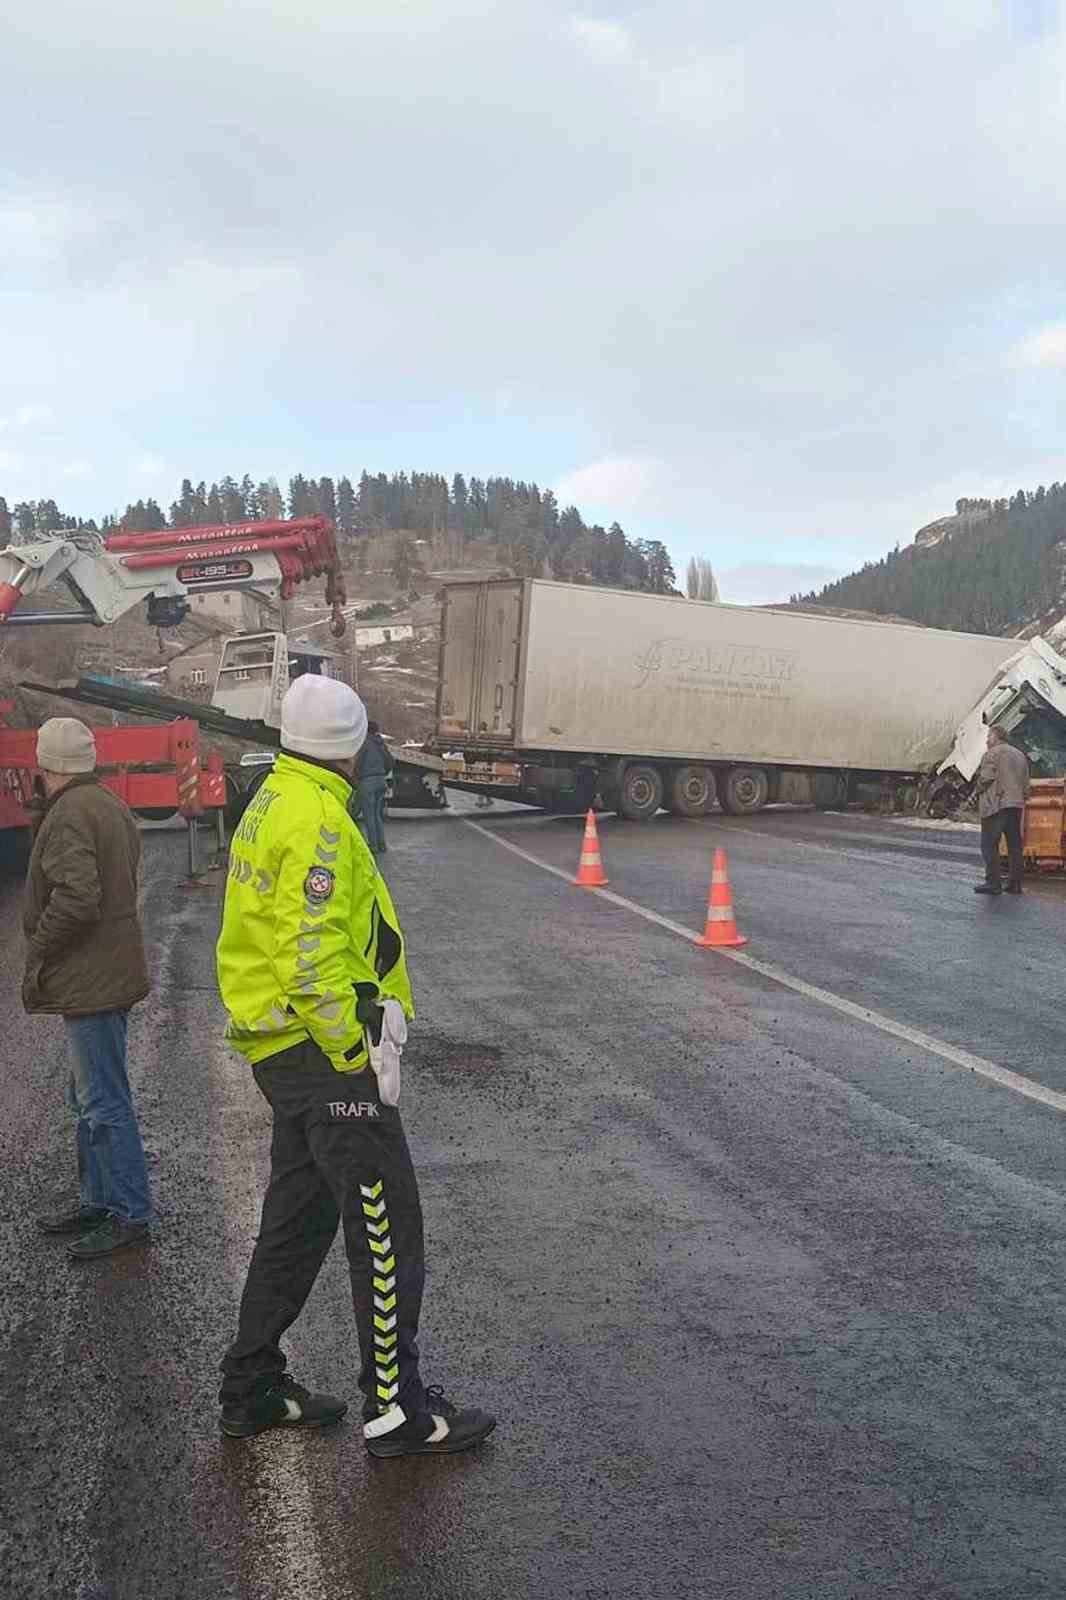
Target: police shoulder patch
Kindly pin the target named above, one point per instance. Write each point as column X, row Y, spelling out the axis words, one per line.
column 318, row 885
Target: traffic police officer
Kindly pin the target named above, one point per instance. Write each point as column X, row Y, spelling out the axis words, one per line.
column 312, row 973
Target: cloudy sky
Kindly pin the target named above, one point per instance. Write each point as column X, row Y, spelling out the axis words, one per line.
column 773, row 282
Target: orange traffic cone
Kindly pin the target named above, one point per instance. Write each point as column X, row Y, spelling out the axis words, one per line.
column 721, row 930
column 590, row 873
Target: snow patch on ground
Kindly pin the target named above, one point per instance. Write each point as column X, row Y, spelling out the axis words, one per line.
column 941, row 824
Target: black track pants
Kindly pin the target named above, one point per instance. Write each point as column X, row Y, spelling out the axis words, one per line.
column 337, row 1154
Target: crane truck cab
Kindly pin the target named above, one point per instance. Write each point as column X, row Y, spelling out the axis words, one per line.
column 254, row 671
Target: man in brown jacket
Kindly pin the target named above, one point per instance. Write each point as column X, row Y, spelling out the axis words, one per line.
column 1002, row 785
column 85, row 962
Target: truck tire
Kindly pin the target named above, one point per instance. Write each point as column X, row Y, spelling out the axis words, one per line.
column 640, row 792
column 909, row 799
column 236, row 800
column 690, row 792
column 239, row 797
column 743, row 791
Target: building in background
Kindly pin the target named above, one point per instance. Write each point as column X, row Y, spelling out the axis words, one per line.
column 369, row 635
column 190, row 673
column 244, row 611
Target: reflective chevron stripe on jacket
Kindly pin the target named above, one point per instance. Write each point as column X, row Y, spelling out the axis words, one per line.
column 307, row 917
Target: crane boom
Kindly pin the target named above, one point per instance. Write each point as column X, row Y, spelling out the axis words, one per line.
column 109, row 576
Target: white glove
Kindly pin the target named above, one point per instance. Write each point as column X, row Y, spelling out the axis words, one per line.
column 385, row 1056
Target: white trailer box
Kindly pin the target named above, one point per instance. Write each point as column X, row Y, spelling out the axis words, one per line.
column 564, row 671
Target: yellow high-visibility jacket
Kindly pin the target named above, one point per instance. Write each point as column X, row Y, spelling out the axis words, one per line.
column 307, row 918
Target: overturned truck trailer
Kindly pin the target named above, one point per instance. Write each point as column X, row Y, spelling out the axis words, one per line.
column 651, row 700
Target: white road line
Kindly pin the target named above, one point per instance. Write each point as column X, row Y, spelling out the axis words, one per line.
column 1006, row 1079
column 928, row 840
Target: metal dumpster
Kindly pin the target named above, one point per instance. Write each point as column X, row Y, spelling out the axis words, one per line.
column 1044, row 828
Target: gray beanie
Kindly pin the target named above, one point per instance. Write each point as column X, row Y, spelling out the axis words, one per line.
column 65, row 745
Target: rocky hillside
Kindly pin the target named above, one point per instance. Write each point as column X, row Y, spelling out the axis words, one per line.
column 993, row 567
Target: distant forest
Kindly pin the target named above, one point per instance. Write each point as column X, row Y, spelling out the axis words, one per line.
column 1000, row 568
column 524, row 523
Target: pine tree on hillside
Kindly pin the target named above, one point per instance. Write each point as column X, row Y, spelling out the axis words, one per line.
column 347, row 507
column 476, row 517
column 5, row 524
column 619, row 564
column 270, row 501
column 232, row 501
column 183, row 512
column 459, row 502
column 327, row 499
column 659, row 571
column 303, row 499
column 49, row 519
column 368, row 500
column 145, row 516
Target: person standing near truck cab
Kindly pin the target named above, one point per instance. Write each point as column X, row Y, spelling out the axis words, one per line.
column 1002, row 787
column 312, row 972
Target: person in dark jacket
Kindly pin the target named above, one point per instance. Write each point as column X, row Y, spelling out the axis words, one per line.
column 85, row 962
column 1002, row 788
column 373, row 771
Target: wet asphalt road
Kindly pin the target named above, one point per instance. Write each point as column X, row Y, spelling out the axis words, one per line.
column 770, row 1304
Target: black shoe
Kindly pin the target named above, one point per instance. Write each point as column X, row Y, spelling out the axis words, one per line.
column 1014, row 888
column 464, row 1429
column 286, row 1404
column 72, row 1219
column 111, row 1235
column 987, row 888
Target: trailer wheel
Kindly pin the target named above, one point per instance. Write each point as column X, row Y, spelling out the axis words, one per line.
column 238, row 798
column 155, row 813
column 690, row 792
column 743, row 791
column 640, row 792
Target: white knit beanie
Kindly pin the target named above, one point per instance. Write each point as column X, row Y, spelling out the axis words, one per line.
column 322, row 717
column 65, row 745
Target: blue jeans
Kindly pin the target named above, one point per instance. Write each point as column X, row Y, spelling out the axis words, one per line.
column 372, row 810
column 111, row 1165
